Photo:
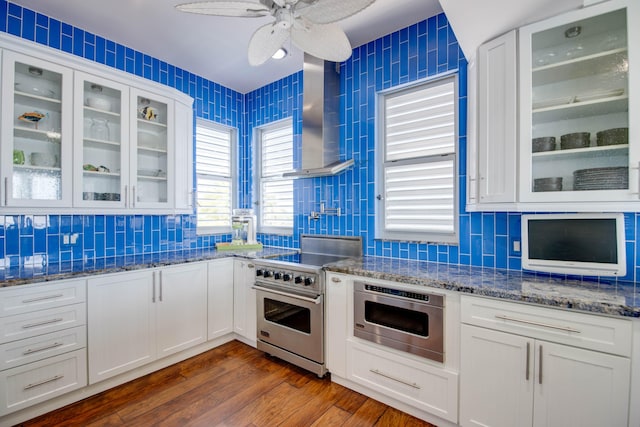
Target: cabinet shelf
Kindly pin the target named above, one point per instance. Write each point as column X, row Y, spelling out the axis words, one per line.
column 578, row 153
column 96, row 111
column 596, row 107
column 589, row 65
column 152, row 178
column 152, row 150
column 36, row 169
column 142, row 123
column 37, row 134
column 29, row 96
column 101, row 174
column 102, row 144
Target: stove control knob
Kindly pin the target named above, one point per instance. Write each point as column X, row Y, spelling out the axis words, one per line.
column 277, row 275
column 286, row 277
column 298, row 279
column 308, row 281
column 259, row 272
column 267, row 273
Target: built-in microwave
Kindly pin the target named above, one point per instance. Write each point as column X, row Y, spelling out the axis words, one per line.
column 410, row 321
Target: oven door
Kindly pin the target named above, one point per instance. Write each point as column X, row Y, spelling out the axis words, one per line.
column 293, row 323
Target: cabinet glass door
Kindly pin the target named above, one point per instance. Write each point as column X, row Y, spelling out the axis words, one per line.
column 102, row 129
column 150, row 158
column 36, row 132
column 575, row 94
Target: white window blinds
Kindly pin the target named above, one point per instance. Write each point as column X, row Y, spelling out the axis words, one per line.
column 276, row 193
column 214, row 177
column 419, row 163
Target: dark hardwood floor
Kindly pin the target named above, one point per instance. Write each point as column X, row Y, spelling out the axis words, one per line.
column 232, row 385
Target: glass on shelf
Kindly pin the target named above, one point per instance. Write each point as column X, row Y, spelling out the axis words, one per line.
column 100, row 129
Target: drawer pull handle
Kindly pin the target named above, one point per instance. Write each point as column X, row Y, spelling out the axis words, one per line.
column 250, row 266
column 540, row 367
column 46, row 322
column 544, row 325
column 336, row 280
column 27, row 301
column 39, row 349
column 382, row 374
column 43, row 382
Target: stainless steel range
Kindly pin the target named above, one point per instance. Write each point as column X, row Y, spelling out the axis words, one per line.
column 290, row 299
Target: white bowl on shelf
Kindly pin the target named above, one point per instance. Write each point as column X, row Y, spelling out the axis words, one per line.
column 99, row 103
column 43, row 159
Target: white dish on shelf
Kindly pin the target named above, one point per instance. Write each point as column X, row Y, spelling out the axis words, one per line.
column 34, row 90
column 99, row 103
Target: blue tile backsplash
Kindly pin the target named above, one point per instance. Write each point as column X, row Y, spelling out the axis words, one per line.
column 41, row 243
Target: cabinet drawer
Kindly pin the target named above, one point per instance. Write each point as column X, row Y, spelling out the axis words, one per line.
column 27, row 298
column 35, row 382
column 588, row 331
column 41, row 322
column 29, row 350
column 427, row 388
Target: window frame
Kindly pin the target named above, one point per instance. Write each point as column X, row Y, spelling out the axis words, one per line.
column 233, row 170
column 259, row 179
column 381, row 232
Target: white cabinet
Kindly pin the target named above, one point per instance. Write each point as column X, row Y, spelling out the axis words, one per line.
column 577, row 77
column 523, row 365
column 497, row 115
column 79, row 135
column 244, row 301
column 42, row 342
column 138, row 317
column 220, row 297
column 181, row 307
column 337, row 301
column 36, row 128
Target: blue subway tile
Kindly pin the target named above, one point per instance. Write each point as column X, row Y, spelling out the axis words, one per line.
column 28, row 24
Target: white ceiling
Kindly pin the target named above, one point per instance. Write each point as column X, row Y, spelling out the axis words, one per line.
column 215, row 47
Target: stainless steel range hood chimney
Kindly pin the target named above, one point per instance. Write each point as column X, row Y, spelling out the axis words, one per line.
column 320, row 120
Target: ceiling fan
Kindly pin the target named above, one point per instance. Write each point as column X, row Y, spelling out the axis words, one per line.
column 310, row 24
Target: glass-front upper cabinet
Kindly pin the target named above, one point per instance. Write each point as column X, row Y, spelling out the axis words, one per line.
column 577, row 142
column 36, row 132
column 152, row 139
column 101, row 129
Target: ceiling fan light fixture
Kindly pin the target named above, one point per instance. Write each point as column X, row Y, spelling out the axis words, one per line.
column 280, row 53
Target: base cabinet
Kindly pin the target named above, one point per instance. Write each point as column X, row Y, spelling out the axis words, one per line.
column 511, row 379
column 138, row 317
column 337, row 300
column 220, row 297
column 244, row 302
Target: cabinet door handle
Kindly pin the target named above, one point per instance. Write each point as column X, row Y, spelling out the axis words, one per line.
column 153, row 287
column 531, row 322
column 6, row 190
column 39, row 349
column 43, row 382
column 27, row 301
column 45, row 322
column 126, row 195
column 160, row 293
column 336, row 280
column 540, row 365
column 133, row 196
column 527, row 361
column 382, row 374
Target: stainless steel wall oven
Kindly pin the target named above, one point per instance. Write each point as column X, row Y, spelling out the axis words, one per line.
column 410, row 321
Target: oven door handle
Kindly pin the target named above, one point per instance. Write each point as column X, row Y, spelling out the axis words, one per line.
column 286, row 294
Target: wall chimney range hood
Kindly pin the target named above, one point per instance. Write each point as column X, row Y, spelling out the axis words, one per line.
column 320, row 121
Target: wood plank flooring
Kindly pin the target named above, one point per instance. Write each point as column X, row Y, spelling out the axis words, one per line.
column 231, row 385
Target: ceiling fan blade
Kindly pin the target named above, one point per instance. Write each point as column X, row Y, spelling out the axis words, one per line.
column 326, row 41
column 328, row 11
column 265, row 42
column 226, row 8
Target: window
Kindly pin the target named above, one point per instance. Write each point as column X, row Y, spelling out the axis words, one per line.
column 417, row 197
column 215, row 179
column 274, row 157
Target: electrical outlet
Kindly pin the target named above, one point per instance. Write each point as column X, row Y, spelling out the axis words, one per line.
column 74, row 238
column 65, row 239
column 516, row 246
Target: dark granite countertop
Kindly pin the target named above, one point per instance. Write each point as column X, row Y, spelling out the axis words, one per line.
column 618, row 299
column 71, row 270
